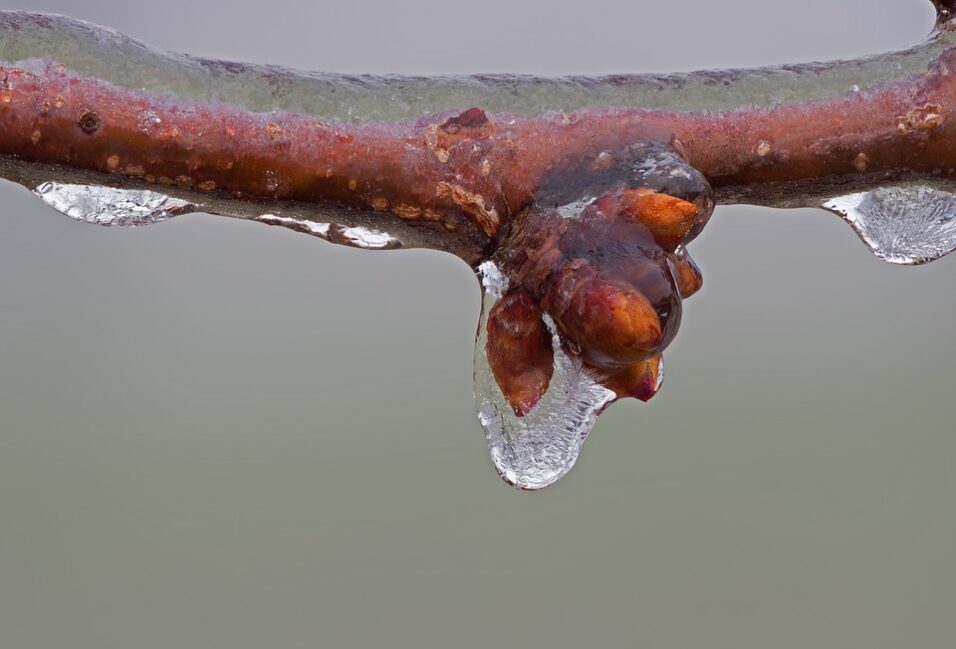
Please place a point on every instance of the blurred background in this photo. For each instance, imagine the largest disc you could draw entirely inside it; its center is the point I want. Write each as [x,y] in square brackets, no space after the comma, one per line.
[219,434]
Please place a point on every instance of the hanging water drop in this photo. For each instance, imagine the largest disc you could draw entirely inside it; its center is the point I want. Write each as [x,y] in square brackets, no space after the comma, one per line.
[110,205]
[535,450]
[902,225]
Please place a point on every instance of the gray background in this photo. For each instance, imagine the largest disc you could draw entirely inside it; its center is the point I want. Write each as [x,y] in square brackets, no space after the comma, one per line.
[217,434]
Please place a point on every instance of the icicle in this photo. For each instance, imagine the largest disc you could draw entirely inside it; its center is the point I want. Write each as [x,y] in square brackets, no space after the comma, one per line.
[537,449]
[902,225]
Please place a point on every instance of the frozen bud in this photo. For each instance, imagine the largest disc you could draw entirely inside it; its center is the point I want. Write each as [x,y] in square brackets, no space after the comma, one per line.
[519,350]
[668,218]
[611,322]
[666,171]
[648,166]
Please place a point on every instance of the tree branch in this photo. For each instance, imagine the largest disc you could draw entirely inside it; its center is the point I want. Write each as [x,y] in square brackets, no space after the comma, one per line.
[574,197]
[82,96]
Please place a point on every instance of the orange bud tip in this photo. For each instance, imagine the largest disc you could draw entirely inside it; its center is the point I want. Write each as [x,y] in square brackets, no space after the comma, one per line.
[645,390]
[668,218]
[639,381]
[688,276]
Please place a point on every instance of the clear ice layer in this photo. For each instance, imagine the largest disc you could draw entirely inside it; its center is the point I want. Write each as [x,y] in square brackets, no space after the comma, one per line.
[367,238]
[137,207]
[314,228]
[347,98]
[109,205]
[536,450]
[902,225]
[355,236]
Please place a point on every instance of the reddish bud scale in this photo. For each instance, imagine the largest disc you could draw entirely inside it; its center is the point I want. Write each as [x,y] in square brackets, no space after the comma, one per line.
[611,322]
[519,350]
[668,218]
[688,276]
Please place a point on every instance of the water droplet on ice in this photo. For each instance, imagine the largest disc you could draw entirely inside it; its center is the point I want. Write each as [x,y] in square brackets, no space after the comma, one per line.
[109,205]
[536,450]
[903,225]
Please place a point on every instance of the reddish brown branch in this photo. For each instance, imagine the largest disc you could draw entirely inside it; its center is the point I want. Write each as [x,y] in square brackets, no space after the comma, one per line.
[468,166]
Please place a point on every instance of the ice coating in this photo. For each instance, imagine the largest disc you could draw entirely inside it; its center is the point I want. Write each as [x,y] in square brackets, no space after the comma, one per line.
[902,225]
[538,449]
[109,205]
[112,206]
[371,98]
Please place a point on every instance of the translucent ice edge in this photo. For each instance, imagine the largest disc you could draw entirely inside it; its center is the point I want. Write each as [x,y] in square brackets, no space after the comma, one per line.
[538,449]
[903,225]
[111,206]
[354,236]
